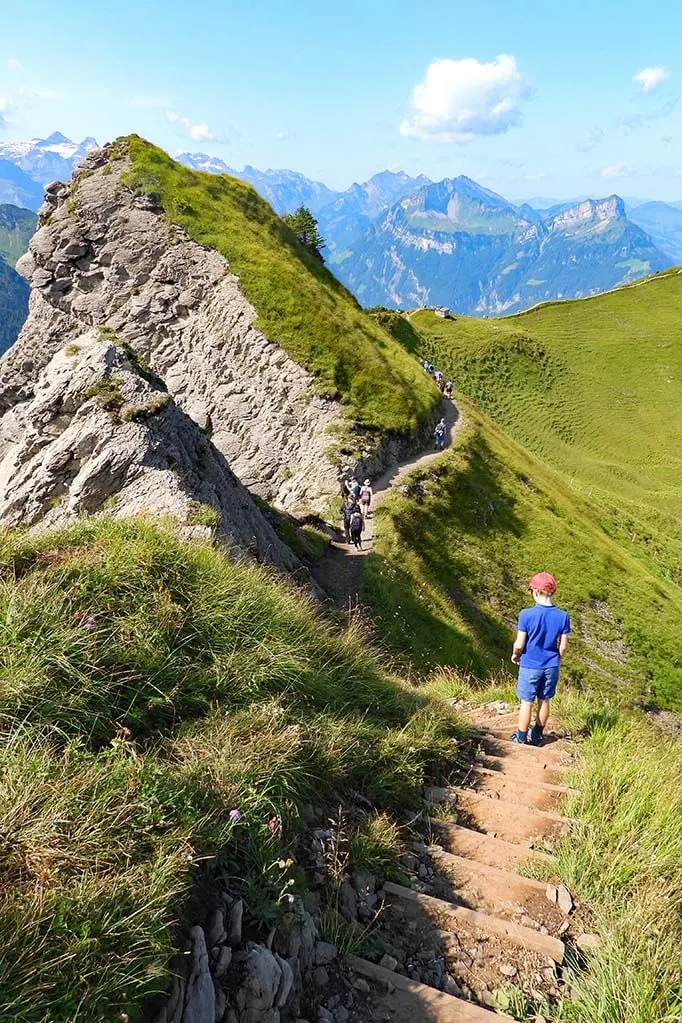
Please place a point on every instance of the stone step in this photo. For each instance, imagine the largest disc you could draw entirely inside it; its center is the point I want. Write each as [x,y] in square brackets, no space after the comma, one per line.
[448,914]
[407,1001]
[498,892]
[520,767]
[482,848]
[507,820]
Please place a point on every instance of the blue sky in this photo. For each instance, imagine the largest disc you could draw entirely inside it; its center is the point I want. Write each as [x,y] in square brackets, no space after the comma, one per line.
[529,98]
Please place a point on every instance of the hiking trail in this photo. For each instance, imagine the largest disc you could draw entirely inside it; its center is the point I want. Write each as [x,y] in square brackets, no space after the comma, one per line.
[470,925]
[341,571]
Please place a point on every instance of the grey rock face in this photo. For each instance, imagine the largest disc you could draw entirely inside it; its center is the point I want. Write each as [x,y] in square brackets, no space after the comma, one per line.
[104,255]
[94,432]
[199,994]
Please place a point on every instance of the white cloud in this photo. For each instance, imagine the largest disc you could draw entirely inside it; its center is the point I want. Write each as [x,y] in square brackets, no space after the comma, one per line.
[649,78]
[197,131]
[15,65]
[460,99]
[618,170]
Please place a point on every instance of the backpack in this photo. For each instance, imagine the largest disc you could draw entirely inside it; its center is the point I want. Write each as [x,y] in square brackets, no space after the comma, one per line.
[355,489]
[356,521]
[365,493]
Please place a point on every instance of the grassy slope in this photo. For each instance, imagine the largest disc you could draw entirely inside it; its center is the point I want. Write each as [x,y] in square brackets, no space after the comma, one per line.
[300,305]
[147,688]
[447,576]
[590,386]
[624,863]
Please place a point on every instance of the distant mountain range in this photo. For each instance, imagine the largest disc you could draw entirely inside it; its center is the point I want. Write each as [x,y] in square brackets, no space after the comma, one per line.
[404,241]
[401,241]
[26,167]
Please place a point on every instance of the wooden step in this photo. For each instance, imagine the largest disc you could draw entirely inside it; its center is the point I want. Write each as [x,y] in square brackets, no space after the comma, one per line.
[484,849]
[551,753]
[496,891]
[484,923]
[508,820]
[520,767]
[407,1001]
[546,786]
[538,795]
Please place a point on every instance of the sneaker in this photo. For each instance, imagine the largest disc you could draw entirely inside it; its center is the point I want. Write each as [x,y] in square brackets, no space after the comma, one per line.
[515,737]
[534,739]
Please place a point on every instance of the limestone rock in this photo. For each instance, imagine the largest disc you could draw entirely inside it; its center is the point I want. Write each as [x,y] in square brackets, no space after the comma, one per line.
[325,953]
[588,942]
[100,433]
[564,899]
[260,986]
[103,255]
[199,1004]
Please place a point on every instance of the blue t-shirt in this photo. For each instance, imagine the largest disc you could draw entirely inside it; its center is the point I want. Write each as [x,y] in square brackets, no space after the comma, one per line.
[543,625]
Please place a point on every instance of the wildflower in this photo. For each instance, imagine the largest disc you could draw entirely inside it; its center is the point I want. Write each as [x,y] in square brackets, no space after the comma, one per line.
[455,742]
[89,623]
[273,825]
[235,815]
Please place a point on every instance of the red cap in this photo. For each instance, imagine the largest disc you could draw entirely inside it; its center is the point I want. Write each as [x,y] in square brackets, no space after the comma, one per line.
[543,581]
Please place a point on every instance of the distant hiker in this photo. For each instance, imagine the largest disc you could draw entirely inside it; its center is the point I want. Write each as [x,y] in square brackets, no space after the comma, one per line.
[353,488]
[540,644]
[350,505]
[439,435]
[365,498]
[439,379]
[357,524]
[448,389]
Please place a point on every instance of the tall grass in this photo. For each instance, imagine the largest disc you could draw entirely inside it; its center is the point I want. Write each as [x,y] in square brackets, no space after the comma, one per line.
[624,863]
[165,713]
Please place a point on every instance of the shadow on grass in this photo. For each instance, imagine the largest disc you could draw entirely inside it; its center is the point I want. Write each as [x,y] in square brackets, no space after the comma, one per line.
[443,503]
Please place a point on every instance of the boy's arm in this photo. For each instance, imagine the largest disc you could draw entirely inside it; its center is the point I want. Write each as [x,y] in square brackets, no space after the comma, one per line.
[563,644]
[519,647]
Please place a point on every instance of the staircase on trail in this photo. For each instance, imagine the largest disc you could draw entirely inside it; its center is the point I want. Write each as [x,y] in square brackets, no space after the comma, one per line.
[490,925]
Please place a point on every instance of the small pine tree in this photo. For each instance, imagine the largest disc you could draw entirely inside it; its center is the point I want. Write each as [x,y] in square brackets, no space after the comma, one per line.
[304,226]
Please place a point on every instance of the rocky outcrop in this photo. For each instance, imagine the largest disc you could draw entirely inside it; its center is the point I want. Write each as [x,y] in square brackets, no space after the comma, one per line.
[106,256]
[96,430]
[222,978]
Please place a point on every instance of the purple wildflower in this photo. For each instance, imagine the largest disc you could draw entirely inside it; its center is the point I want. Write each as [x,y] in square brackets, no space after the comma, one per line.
[89,623]
[235,815]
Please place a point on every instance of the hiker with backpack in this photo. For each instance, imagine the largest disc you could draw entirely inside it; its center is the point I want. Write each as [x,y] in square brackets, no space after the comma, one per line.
[439,435]
[353,489]
[365,498]
[541,642]
[356,526]
[448,390]
[349,506]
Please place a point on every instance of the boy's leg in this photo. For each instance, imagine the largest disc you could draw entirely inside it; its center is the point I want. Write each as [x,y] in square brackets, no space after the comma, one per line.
[525,711]
[543,713]
[526,691]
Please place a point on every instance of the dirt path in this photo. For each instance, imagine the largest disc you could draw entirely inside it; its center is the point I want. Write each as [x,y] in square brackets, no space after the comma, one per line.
[341,571]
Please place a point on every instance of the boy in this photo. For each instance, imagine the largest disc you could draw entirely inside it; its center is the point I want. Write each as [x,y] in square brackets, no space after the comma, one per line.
[540,644]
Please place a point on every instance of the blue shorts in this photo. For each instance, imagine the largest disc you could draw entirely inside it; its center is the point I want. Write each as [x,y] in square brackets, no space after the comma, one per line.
[537,683]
